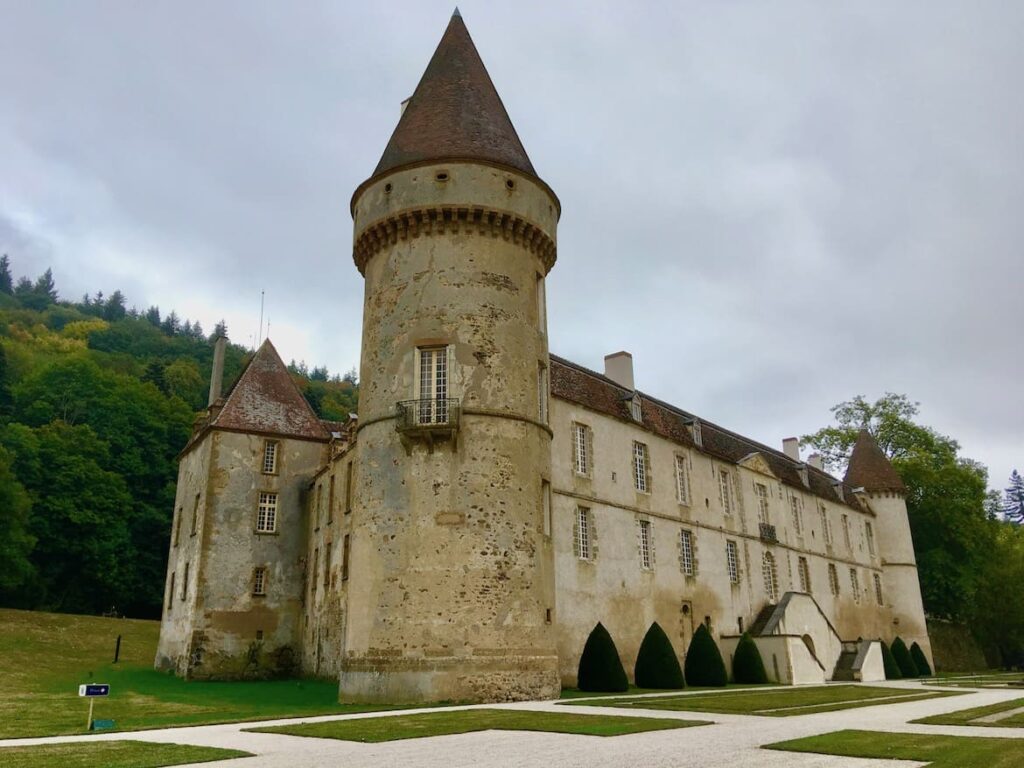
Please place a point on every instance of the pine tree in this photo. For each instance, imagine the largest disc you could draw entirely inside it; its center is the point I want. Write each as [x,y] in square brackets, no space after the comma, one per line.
[1013,498]
[153,315]
[220,329]
[6,280]
[114,307]
[656,663]
[45,286]
[600,669]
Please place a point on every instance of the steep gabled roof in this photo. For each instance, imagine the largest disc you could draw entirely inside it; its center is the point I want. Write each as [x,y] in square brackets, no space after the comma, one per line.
[869,467]
[265,399]
[455,112]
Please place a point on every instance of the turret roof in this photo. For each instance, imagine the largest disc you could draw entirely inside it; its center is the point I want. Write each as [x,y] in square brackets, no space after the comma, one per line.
[266,399]
[455,112]
[869,467]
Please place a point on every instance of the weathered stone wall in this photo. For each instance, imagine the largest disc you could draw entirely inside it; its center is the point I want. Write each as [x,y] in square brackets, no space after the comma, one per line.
[451,570]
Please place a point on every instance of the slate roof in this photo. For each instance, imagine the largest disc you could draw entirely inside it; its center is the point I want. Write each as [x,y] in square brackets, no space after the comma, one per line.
[597,392]
[455,112]
[265,399]
[869,467]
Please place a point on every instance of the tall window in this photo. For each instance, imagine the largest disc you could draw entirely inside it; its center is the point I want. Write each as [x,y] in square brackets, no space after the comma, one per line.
[433,385]
[314,574]
[319,505]
[682,481]
[184,583]
[805,574]
[327,565]
[641,467]
[878,590]
[348,487]
[732,561]
[645,543]
[581,448]
[195,515]
[270,457]
[771,577]
[855,584]
[542,393]
[266,513]
[582,533]
[762,503]
[545,502]
[170,593]
[686,552]
[833,579]
[846,532]
[259,581]
[725,491]
[542,311]
[826,526]
[346,554]
[869,534]
[177,525]
[330,500]
[798,518]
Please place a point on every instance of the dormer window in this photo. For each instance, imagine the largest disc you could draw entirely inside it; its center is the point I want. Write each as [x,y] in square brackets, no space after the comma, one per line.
[635,409]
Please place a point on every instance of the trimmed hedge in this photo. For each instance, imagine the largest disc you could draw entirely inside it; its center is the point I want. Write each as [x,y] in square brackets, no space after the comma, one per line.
[600,669]
[747,666]
[924,669]
[903,658]
[656,664]
[704,665]
[892,669]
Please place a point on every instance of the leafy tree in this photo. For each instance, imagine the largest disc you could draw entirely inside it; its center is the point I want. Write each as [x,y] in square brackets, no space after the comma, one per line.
[892,669]
[924,669]
[704,665]
[657,665]
[1013,498]
[998,621]
[6,281]
[747,665]
[903,658]
[6,398]
[600,669]
[16,542]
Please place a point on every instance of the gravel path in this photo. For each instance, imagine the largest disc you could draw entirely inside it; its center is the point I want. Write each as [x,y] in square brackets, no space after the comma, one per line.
[732,742]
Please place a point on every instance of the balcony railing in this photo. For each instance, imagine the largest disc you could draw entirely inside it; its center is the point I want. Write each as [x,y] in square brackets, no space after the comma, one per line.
[768,533]
[428,419]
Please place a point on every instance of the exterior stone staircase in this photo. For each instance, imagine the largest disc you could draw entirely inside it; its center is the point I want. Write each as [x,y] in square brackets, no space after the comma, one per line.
[845,665]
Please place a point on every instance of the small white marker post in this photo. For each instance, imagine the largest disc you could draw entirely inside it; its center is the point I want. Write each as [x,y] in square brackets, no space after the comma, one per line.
[92,691]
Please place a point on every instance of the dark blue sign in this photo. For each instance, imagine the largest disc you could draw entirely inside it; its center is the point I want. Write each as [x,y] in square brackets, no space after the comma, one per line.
[101,725]
[94,689]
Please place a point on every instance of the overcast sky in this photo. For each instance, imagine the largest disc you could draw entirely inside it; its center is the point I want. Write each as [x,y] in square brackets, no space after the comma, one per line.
[773,206]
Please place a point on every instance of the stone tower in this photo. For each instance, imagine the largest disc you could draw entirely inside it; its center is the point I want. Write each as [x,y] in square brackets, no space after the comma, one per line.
[452,589]
[885,492]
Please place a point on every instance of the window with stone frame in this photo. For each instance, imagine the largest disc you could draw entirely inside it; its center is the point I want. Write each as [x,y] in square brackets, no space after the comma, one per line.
[582,450]
[641,467]
[878,590]
[725,491]
[266,512]
[687,564]
[432,385]
[583,534]
[846,532]
[636,409]
[682,480]
[270,457]
[826,525]
[797,514]
[259,581]
[761,491]
[804,572]
[732,561]
[833,579]
[771,577]
[869,536]
[855,584]
[646,545]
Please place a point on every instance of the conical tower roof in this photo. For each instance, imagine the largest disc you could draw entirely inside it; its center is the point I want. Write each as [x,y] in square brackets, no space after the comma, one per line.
[455,112]
[265,399]
[869,467]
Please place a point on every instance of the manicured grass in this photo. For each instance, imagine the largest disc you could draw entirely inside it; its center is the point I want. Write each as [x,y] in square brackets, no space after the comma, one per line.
[576,693]
[376,729]
[776,702]
[993,680]
[966,716]
[937,751]
[111,754]
[45,656]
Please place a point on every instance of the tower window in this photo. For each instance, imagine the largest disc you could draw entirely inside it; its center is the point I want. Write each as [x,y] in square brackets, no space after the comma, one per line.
[542,393]
[869,534]
[184,583]
[327,565]
[270,457]
[170,593]
[346,554]
[259,581]
[266,513]
[846,532]
[432,385]
[545,501]
[195,515]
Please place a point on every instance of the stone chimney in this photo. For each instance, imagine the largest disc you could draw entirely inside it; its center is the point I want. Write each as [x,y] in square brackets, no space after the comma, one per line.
[815,461]
[791,447]
[618,367]
[217,375]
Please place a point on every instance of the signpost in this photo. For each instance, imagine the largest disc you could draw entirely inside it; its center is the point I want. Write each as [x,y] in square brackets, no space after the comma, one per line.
[92,691]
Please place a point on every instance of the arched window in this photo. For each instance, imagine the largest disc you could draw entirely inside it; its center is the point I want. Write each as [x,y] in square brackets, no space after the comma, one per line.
[771,577]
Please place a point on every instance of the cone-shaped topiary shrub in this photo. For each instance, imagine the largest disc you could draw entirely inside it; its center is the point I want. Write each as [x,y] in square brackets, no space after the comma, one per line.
[903,659]
[704,665]
[600,669]
[924,669]
[892,669]
[747,666]
[656,663]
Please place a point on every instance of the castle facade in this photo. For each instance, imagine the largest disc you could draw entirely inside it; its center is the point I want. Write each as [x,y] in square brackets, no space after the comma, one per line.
[491,503]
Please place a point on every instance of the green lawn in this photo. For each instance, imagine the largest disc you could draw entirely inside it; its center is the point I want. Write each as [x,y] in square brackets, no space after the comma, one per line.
[937,751]
[45,656]
[776,702]
[966,716]
[111,754]
[375,729]
[576,693]
[987,680]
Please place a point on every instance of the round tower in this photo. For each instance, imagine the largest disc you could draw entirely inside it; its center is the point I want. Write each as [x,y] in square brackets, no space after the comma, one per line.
[451,586]
[871,471]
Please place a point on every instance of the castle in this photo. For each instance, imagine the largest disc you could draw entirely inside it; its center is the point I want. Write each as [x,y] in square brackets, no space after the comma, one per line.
[491,503]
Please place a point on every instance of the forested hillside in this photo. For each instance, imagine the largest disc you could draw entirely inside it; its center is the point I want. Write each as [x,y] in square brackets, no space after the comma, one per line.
[96,400]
